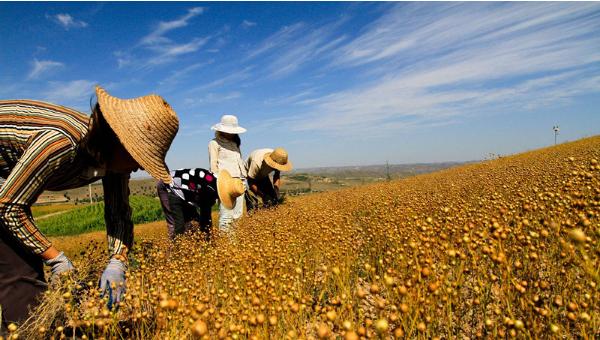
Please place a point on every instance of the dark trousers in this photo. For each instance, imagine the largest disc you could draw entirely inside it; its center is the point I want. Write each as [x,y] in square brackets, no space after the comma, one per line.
[182,216]
[21,280]
[268,197]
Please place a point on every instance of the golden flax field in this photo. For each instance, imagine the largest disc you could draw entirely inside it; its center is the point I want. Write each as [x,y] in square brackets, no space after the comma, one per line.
[504,248]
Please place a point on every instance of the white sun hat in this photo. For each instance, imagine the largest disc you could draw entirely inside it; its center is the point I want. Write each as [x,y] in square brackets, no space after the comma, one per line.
[228,124]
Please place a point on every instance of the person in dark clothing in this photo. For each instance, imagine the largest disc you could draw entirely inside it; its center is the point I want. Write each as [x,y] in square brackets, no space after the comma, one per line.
[193,189]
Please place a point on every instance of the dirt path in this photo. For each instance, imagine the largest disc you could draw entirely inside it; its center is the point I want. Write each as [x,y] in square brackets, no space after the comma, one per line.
[52,214]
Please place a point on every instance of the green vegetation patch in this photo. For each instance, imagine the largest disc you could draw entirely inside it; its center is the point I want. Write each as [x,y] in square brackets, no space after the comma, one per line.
[41,210]
[299,177]
[91,217]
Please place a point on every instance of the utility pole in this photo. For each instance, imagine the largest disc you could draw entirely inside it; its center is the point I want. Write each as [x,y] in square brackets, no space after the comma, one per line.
[556,130]
[387,170]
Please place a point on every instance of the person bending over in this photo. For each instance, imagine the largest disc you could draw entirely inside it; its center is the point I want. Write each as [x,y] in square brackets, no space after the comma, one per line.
[260,164]
[50,147]
[193,189]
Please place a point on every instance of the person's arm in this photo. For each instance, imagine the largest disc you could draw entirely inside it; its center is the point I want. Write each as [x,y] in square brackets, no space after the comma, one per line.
[117,213]
[23,186]
[276,182]
[253,186]
[119,230]
[251,167]
[213,156]
[276,179]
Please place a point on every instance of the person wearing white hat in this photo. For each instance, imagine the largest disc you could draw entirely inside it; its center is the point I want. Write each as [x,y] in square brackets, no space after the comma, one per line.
[44,146]
[260,164]
[224,154]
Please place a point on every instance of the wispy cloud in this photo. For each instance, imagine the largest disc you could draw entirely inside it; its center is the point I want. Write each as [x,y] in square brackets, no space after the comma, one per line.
[297,45]
[185,72]
[67,21]
[296,98]
[232,78]
[437,63]
[75,93]
[248,24]
[276,40]
[211,98]
[41,67]
[156,48]
[157,36]
[168,53]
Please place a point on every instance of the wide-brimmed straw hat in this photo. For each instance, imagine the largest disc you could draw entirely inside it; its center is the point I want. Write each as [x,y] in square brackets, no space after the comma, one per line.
[278,160]
[229,188]
[145,126]
[228,124]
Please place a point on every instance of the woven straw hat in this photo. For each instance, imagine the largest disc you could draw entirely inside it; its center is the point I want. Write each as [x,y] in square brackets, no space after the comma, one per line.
[229,188]
[278,160]
[145,126]
[228,124]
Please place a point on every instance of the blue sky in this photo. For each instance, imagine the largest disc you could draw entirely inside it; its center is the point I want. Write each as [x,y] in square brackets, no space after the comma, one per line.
[334,83]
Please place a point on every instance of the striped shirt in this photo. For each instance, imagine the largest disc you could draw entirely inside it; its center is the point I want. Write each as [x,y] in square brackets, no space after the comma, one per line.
[39,150]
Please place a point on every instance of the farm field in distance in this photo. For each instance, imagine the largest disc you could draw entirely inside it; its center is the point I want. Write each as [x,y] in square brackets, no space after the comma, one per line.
[297,182]
[70,213]
[502,248]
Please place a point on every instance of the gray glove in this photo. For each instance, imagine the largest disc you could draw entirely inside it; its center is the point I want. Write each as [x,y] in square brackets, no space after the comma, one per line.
[60,264]
[112,282]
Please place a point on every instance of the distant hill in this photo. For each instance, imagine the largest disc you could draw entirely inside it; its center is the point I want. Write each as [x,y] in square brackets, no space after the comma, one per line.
[297,181]
[379,170]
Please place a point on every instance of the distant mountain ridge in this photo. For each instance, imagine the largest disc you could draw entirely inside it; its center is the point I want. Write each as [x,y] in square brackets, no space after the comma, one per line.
[378,170]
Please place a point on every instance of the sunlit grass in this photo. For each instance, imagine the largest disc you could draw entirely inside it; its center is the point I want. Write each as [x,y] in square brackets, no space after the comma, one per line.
[505,248]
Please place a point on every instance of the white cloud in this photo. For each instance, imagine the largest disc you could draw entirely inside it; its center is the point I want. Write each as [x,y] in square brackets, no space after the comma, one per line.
[248,24]
[156,48]
[277,40]
[290,99]
[212,98]
[67,21]
[232,78]
[176,76]
[170,52]
[431,64]
[297,45]
[75,93]
[41,67]
[123,58]
[163,27]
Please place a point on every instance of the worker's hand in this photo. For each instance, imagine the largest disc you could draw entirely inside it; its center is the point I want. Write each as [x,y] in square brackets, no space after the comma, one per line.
[112,282]
[60,264]
[276,187]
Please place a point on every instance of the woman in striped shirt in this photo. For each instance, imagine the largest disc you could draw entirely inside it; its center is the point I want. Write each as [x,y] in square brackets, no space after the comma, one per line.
[49,147]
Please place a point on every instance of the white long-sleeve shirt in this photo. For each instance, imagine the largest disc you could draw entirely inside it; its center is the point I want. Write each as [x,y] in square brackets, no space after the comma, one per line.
[224,154]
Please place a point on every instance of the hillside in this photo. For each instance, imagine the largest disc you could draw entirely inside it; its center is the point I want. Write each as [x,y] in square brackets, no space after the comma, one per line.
[507,247]
[299,181]
[379,170]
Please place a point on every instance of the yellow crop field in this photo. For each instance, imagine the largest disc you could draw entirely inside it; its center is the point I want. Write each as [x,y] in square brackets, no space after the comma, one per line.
[503,248]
